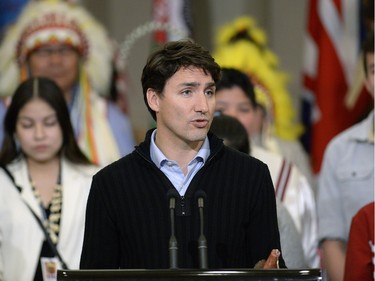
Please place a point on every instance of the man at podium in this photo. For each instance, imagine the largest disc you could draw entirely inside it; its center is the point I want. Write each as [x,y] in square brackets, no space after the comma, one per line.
[181,199]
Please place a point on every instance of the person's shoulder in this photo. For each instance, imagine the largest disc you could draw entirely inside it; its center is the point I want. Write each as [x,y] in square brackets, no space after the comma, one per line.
[121,165]
[241,157]
[366,211]
[341,141]
[265,155]
[88,170]
[279,165]
[344,136]
[16,164]
[85,170]
[359,130]
[363,222]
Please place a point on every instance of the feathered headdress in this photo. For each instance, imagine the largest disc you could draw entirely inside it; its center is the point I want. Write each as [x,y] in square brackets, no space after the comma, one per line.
[52,21]
[243,45]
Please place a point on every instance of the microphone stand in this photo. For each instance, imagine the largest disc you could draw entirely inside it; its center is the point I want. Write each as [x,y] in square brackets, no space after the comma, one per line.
[202,242]
[173,249]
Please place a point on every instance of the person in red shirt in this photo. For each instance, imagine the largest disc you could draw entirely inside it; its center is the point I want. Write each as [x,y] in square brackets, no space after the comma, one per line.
[360,259]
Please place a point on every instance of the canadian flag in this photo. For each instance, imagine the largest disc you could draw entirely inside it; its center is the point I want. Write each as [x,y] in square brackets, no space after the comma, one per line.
[334,96]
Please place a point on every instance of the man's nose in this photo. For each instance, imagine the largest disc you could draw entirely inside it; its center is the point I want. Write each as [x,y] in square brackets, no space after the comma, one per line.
[55,55]
[202,103]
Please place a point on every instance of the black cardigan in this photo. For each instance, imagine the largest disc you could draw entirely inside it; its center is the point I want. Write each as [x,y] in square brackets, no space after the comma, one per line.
[128,219]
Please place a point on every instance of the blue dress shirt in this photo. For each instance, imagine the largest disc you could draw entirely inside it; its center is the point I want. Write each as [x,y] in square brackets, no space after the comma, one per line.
[171,168]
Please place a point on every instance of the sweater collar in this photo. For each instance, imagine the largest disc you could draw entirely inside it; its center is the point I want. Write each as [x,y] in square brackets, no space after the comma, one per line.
[216,145]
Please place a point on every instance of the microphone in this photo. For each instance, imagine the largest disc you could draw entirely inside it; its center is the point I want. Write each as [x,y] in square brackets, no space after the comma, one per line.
[172,194]
[202,242]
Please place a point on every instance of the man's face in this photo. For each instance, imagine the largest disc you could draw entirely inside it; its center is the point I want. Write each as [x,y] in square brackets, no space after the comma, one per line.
[57,62]
[370,73]
[234,102]
[184,110]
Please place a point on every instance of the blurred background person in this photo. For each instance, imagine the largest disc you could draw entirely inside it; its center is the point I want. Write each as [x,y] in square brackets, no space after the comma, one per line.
[360,251]
[63,42]
[242,44]
[235,97]
[44,174]
[346,181]
[231,131]
[234,135]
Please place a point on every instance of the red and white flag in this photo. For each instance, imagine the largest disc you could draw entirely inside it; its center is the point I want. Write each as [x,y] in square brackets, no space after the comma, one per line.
[331,64]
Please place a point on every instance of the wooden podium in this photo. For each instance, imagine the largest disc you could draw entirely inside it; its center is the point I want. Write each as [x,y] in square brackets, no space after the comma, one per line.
[193,274]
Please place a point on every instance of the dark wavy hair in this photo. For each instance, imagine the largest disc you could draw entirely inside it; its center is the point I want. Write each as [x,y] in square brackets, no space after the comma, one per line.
[232,131]
[232,77]
[48,91]
[162,64]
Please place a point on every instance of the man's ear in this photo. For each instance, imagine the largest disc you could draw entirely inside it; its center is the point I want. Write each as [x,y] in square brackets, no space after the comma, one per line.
[153,99]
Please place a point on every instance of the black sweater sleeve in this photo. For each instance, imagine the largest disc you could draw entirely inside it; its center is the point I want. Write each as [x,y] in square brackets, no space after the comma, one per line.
[101,240]
[263,230]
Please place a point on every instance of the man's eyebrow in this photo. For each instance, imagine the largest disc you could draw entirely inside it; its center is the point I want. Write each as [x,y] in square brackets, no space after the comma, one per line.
[190,84]
[196,84]
[211,84]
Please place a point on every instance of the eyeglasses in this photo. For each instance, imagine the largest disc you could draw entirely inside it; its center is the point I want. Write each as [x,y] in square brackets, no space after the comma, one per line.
[48,51]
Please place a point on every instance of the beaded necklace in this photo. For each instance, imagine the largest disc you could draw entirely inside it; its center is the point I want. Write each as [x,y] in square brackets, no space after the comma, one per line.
[52,221]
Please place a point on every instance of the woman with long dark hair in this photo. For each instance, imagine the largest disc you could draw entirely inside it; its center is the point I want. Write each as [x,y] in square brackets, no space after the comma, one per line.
[45,181]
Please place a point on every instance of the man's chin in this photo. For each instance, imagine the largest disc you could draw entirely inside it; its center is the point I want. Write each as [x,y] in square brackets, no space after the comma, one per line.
[199,135]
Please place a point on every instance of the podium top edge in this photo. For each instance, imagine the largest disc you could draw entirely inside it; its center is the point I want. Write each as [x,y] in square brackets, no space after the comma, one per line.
[159,273]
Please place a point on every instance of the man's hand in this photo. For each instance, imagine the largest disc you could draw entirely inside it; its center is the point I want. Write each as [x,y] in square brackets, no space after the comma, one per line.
[271,262]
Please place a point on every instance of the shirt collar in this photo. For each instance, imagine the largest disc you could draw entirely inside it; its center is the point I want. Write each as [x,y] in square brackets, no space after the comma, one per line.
[158,157]
[366,134]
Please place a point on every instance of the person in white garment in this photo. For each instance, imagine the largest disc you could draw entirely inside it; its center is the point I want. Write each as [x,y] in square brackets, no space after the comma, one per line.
[235,97]
[234,135]
[45,178]
[65,43]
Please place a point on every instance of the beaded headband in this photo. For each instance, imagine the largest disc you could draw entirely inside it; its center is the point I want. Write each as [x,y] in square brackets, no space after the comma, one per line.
[52,28]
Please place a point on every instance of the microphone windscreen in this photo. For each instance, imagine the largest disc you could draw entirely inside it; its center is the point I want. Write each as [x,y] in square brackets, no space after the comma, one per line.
[172,193]
[200,194]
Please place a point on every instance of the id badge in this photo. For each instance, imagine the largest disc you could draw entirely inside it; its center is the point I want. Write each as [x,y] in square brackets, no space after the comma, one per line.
[49,268]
